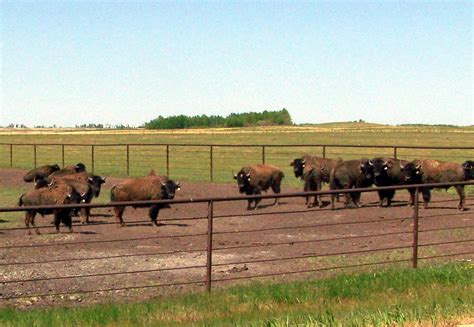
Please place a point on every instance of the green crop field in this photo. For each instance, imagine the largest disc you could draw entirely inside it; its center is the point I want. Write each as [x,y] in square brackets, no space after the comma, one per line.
[193,163]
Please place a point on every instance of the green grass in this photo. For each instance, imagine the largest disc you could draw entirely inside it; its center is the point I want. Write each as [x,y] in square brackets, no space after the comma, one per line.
[193,163]
[393,297]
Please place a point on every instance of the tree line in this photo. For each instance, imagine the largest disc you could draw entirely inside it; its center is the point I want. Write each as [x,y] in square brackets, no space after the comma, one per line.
[265,118]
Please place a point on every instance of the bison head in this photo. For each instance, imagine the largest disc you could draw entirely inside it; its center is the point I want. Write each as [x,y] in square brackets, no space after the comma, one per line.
[412,172]
[168,189]
[243,180]
[96,183]
[367,169]
[381,168]
[80,167]
[468,167]
[298,166]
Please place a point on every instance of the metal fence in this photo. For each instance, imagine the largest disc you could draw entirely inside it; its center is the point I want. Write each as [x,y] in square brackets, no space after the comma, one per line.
[25,270]
[213,162]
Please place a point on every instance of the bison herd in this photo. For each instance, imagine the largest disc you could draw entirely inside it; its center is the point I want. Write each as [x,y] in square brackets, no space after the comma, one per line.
[74,185]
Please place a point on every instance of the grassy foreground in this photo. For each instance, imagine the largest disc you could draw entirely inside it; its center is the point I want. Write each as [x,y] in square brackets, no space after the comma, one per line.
[427,296]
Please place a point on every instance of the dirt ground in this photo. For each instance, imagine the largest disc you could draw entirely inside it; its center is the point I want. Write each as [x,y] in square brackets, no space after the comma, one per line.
[134,259]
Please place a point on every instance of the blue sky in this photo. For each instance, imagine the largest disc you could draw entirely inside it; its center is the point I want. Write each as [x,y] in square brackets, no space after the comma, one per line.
[68,63]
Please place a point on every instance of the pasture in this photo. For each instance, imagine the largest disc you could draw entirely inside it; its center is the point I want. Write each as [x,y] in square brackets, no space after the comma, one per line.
[99,261]
[193,162]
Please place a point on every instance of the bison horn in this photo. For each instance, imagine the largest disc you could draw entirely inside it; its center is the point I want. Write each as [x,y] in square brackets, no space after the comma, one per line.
[248,175]
[178,185]
[303,162]
[371,163]
[103,179]
[402,166]
[418,166]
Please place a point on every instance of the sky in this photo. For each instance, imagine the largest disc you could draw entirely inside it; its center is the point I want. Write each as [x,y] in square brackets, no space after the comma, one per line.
[68,63]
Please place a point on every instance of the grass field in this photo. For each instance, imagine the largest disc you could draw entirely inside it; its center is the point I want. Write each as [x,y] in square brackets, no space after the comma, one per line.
[193,163]
[431,296]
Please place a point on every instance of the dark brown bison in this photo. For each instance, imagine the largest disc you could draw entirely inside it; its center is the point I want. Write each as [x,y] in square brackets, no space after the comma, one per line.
[254,179]
[388,172]
[88,185]
[150,187]
[313,171]
[78,168]
[432,171]
[40,172]
[53,195]
[351,174]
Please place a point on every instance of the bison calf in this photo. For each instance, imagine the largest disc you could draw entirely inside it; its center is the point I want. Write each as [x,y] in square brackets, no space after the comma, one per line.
[254,179]
[150,187]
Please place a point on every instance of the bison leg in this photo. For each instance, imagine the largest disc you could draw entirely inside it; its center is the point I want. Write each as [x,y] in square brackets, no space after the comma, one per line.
[85,215]
[462,197]
[390,195]
[381,198]
[412,197]
[118,214]
[153,214]
[356,199]
[257,201]
[305,189]
[30,220]
[67,220]
[276,189]
[57,221]
[333,197]
[426,197]
[318,201]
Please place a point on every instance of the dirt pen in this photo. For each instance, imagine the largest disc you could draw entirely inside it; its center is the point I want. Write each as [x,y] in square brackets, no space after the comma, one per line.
[206,242]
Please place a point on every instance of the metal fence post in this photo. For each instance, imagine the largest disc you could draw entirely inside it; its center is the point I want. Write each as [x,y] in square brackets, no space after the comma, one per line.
[92,157]
[263,154]
[324,151]
[62,154]
[210,214]
[34,155]
[128,160]
[211,162]
[395,152]
[415,230]
[11,155]
[168,160]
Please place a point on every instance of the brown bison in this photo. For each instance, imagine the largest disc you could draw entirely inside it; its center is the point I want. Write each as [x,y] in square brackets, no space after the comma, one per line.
[54,195]
[150,187]
[313,171]
[78,168]
[40,172]
[433,171]
[351,174]
[254,179]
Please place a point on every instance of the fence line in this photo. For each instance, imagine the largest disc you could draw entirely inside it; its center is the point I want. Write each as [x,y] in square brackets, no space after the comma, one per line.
[209,155]
[209,265]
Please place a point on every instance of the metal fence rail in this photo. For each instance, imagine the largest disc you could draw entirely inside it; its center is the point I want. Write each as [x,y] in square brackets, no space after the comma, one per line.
[208,264]
[210,160]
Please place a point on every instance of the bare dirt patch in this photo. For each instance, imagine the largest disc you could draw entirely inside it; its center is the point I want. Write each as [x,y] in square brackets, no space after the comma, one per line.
[123,264]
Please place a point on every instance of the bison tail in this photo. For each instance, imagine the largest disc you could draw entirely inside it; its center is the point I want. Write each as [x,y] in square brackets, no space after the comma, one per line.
[20,200]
